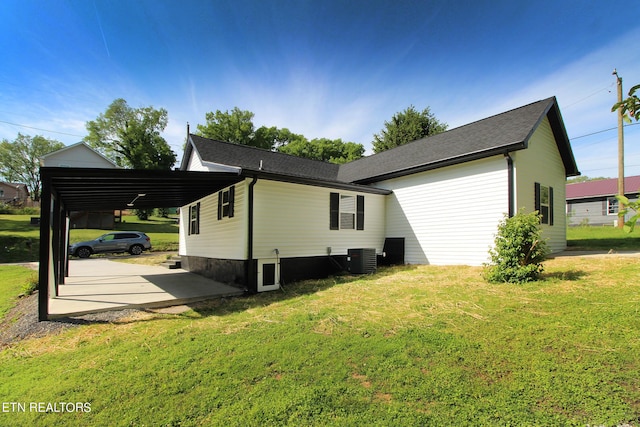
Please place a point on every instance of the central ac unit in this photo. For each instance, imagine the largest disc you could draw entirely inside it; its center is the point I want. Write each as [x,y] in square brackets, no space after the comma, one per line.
[362,261]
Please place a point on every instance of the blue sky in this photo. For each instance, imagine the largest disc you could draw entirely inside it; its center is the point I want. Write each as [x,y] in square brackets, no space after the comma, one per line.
[335,69]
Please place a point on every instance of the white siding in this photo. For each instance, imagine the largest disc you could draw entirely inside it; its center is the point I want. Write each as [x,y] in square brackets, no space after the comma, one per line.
[294,219]
[541,162]
[77,156]
[448,215]
[196,164]
[222,239]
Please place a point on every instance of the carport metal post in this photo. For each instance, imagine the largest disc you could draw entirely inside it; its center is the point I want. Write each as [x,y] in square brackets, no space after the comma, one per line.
[45,256]
[60,240]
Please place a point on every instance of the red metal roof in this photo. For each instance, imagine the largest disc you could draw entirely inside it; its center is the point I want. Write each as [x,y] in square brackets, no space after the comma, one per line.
[602,188]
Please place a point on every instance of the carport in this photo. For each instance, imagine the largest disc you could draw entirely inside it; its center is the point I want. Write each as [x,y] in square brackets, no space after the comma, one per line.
[101,284]
[76,189]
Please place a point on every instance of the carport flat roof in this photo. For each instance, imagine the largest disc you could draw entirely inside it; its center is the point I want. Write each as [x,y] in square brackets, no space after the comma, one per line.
[97,285]
[81,189]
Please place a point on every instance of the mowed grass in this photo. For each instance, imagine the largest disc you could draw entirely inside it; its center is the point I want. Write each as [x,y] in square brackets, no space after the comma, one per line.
[19,240]
[14,279]
[602,238]
[410,346]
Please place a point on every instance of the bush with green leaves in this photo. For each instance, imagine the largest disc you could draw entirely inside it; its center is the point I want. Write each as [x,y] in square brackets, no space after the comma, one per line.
[519,250]
[629,206]
[143,214]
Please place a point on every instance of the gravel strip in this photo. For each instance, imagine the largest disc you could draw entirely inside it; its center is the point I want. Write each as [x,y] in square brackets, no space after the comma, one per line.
[21,321]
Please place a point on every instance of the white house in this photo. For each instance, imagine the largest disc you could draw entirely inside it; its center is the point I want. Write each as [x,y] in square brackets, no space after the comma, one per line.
[80,155]
[437,200]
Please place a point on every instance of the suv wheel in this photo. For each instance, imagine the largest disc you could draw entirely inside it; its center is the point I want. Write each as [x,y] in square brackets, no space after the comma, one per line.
[136,250]
[83,252]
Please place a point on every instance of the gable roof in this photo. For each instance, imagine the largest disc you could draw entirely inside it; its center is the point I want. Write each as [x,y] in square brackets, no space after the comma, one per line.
[498,134]
[602,188]
[261,160]
[74,147]
[253,161]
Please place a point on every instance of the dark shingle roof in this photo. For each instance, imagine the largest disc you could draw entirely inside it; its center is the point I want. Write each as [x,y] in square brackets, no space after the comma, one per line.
[497,134]
[251,158]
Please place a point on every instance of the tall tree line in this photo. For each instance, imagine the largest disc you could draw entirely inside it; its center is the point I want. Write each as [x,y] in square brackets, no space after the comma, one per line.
[131,137]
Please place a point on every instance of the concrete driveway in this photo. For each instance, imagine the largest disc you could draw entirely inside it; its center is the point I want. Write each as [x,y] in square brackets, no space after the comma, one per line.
[99,284]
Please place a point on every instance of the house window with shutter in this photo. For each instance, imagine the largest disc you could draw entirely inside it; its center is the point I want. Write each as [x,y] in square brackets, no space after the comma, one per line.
[225,203]
[544,203]
[612,206]
[194,219]
[346,212]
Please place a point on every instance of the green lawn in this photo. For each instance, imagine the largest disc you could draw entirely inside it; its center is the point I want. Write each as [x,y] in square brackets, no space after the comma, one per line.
[14,280]
[19,241]
[602,238]
[408,346]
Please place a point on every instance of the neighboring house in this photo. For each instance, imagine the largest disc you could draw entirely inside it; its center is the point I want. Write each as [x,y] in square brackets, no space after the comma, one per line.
[595,203]
[80,155]
[437,200]
[12,193]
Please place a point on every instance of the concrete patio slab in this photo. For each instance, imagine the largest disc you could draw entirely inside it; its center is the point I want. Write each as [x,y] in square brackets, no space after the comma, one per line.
[99,284]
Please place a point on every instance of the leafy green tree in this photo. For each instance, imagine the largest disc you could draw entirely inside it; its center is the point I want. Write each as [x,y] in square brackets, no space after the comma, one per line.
[131,136]
[234,126]
[273,138]
[629,206]
[630,106]
[20,160]
[519,250]
[324,149]
[406,126]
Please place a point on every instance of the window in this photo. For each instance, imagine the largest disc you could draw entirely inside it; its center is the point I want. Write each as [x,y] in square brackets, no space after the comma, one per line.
[544,203]
[226,202]
[612,206]
[346,212]
[194,219]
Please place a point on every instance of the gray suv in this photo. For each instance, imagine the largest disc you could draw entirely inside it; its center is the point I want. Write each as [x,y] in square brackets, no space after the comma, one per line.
[134,242]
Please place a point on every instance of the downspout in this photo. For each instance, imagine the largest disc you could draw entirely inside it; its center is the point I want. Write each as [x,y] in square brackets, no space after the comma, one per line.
[252,278]
[510,184]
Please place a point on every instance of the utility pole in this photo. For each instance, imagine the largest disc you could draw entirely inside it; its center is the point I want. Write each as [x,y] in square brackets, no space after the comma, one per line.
[620,147]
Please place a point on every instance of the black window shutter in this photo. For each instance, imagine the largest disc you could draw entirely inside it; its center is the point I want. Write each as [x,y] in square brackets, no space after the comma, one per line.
[189,221]
[550,205]
[219,205]
[360,213]
[198,218]
[536,205]
[232,194]
[334,211]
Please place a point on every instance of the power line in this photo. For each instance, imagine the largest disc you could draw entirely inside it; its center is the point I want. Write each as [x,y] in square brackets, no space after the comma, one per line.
[42,130]
[589,96]
[601,131]
[68,134]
